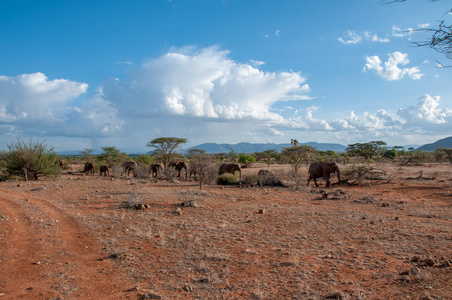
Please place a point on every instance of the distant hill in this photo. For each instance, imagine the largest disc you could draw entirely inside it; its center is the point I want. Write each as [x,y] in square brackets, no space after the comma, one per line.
[251,148]
[443,143]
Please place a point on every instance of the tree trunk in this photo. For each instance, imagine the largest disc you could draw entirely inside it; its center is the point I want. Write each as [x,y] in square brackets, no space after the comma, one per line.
[25,173]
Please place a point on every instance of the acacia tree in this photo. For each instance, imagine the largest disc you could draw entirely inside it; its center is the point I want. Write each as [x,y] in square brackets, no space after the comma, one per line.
[297,154]
[166,147]
[200,163]
[32,158]
[112,156]
[366,150]
[448,152]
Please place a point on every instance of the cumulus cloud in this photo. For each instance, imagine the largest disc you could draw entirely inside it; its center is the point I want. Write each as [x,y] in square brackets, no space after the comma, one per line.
[204,83]
[34,96]
[32,104]
[426,113]
[390,70]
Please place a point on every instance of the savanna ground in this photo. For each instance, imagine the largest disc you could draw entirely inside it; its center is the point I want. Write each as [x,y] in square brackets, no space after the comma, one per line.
[82,237]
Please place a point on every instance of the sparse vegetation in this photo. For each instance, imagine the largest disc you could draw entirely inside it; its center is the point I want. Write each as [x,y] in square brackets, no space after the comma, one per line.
[31,160]
[227,179]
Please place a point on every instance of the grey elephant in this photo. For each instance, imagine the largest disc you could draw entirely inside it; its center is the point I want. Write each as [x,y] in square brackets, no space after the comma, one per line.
[129,167]
[317,170]
[230,168]
[154,169]
[89,168]
[179,165]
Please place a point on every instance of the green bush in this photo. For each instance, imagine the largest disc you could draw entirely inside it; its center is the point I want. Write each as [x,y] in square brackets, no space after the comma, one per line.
[227,179]
[31,160]
[251,180]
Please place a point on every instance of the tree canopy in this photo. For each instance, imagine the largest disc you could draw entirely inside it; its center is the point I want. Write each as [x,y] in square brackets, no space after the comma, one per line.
[366,150]
[166,147]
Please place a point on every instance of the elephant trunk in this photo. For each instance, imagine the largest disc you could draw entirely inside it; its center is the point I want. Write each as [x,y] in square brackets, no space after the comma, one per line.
[338,175]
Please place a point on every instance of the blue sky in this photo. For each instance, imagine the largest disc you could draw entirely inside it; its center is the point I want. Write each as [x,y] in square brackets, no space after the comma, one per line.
[88,74]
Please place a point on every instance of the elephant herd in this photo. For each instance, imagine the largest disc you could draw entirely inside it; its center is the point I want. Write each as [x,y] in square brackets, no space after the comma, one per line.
[316,170]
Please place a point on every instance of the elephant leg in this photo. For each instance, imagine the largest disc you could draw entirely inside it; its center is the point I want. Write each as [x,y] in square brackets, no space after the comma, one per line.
[327,178]
[315,181]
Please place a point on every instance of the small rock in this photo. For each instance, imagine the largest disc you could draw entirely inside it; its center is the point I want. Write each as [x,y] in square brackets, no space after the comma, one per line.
[405,278]
[150,296]
[385,204]
[187,288]
[335,295]
[262,211]
[178,211]
[204,280]
[20,185]
[39,189]
[415,271]
[415,258]
[429,262]
[396,218]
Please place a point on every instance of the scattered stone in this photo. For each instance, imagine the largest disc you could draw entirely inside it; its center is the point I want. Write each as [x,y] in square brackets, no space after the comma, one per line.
[187,288]
[39,189]
[121,256]
[335,295]
[385,204]
[178,211]
[204,280]
[262,211]
[150,296]
[429,262]
[415,258]
[404,278]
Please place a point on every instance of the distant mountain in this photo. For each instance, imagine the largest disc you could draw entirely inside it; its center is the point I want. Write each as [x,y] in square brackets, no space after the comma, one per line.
[251,148]
[443,143]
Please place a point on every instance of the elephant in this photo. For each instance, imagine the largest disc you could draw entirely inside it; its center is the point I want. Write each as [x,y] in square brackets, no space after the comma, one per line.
[230,168]
[154,169]
[317,170]
[89,168]
[129,166]
[179,165]
[104,170]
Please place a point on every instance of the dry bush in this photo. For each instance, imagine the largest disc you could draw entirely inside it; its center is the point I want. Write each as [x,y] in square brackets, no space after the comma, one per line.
[141,171]
[191,198]
[211,174]
[116,171]
[170,173]
[251,179]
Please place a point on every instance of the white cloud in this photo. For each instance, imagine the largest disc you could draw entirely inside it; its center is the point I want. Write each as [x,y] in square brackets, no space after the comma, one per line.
[257,63]
[204,83]
[375,38]
[402,33]
[277,32]
[425,113]
[390,70]
[351,38]
[33,96]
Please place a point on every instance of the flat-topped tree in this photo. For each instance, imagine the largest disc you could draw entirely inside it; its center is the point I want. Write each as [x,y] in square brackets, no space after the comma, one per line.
[166,147]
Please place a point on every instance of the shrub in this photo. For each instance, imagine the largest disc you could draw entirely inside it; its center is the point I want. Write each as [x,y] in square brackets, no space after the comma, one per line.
[227,179]
[32,158]
[251,179]
[246,159]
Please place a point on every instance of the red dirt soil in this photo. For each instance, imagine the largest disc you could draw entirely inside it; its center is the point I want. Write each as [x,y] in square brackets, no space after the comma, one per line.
[93,237]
